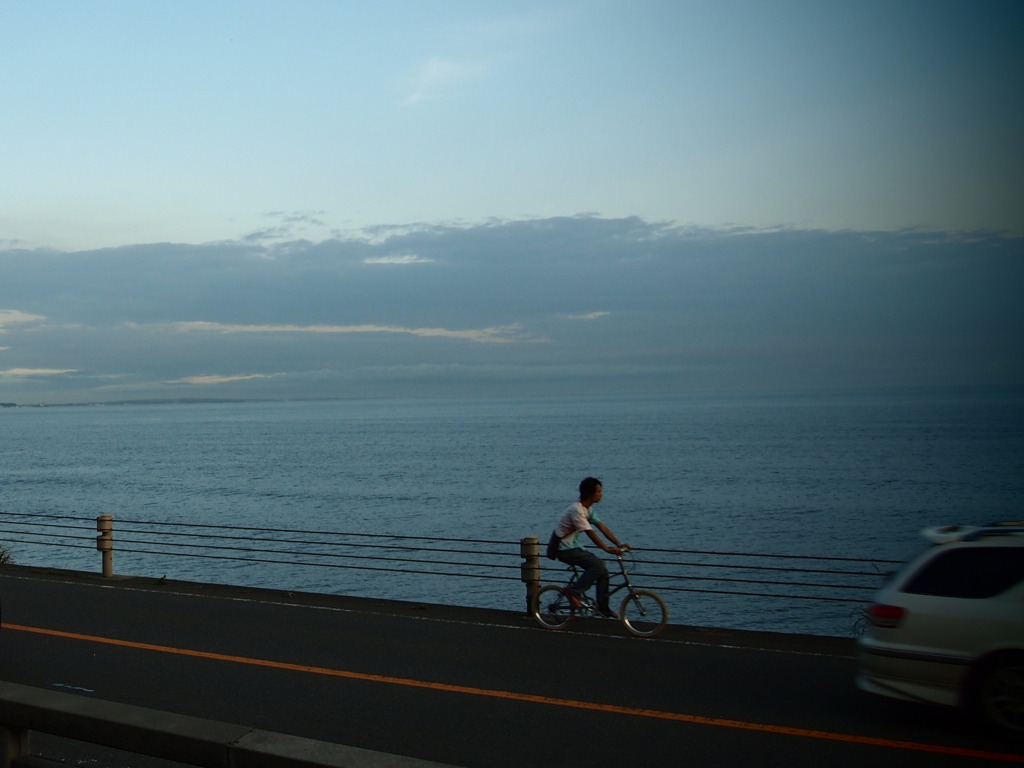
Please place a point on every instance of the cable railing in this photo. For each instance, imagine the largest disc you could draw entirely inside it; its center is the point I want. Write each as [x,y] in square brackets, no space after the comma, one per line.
[814,577]
[738,574]
[296,548]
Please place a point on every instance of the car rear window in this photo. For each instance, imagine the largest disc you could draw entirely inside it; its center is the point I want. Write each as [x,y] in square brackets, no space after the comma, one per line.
[976,572]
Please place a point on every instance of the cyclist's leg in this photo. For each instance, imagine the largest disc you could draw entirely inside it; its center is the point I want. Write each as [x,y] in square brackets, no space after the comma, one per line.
[602,591]
[594,570]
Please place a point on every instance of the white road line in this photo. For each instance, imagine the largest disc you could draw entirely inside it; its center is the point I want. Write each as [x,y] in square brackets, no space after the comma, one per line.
[438,620]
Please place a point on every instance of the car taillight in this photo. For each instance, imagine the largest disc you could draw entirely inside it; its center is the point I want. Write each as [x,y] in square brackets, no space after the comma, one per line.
[886,616]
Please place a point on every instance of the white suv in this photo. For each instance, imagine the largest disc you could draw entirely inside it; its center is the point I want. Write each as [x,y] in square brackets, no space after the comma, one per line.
[948,628]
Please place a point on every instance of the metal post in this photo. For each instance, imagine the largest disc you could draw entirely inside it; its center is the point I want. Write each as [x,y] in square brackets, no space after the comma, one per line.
[105,543]
[529,550]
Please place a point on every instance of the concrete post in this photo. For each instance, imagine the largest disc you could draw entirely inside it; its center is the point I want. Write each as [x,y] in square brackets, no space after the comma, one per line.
[13,744]
[529,550]
[105,543]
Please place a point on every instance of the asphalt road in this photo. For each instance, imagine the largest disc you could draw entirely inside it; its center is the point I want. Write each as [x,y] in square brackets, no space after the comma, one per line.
[467,687]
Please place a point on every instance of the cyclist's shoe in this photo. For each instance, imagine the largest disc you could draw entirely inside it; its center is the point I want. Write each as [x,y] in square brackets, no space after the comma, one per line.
[608,613]
[574,599]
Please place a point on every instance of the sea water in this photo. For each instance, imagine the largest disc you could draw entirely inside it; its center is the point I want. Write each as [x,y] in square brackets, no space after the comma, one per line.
[839,474]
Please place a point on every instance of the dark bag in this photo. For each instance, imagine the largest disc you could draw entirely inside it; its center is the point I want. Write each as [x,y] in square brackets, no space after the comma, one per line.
[552,552]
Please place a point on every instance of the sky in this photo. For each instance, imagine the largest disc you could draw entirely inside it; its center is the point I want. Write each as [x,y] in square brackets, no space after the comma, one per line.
[343,199]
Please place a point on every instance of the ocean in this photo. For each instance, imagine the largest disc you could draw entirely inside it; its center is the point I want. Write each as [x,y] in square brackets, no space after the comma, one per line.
[853,475]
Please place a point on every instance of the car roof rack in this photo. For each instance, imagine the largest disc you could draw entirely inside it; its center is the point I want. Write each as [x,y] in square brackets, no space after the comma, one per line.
[945,534]
[995,529]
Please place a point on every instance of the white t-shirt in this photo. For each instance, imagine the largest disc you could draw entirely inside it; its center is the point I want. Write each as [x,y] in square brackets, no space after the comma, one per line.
[574,521]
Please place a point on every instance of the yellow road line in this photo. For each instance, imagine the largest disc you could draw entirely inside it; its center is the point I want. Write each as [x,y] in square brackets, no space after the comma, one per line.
[533,698]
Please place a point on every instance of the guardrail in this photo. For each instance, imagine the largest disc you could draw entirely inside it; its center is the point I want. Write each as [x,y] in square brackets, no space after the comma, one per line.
[165,735]
[737,574]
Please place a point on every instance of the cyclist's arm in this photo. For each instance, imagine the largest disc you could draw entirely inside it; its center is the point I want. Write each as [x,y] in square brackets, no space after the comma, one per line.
[615,550]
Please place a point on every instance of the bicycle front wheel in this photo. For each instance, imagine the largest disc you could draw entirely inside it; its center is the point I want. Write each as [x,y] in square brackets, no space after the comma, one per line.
[551,608]
[644,613]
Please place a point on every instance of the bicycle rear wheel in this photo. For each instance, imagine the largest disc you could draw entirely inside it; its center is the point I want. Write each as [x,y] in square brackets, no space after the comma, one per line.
[644,613]
[551,608]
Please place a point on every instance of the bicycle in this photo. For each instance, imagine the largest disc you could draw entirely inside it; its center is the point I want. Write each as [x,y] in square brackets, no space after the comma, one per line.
[642,612]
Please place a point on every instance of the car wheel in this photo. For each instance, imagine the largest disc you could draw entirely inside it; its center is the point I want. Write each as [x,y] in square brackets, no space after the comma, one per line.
[996,695]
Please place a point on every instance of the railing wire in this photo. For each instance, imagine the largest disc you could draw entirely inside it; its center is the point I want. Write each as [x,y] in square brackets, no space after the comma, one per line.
[792,577]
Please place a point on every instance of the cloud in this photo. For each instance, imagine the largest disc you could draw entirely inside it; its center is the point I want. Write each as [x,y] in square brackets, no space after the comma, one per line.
[208,380]
[568,304]
[10,317]
[507,334]
[34,372]
[437,75]
[288,225]
[408,258]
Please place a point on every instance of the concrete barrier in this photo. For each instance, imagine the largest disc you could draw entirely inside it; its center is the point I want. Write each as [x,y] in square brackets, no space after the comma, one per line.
[180,738]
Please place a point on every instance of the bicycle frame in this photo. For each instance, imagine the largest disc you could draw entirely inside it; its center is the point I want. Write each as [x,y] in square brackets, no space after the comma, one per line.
[613,587]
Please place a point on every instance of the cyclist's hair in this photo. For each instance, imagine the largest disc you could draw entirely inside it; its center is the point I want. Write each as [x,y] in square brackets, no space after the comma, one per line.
[588,487]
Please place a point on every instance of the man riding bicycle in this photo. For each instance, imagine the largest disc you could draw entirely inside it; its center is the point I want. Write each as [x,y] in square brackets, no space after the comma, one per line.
[581,518]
